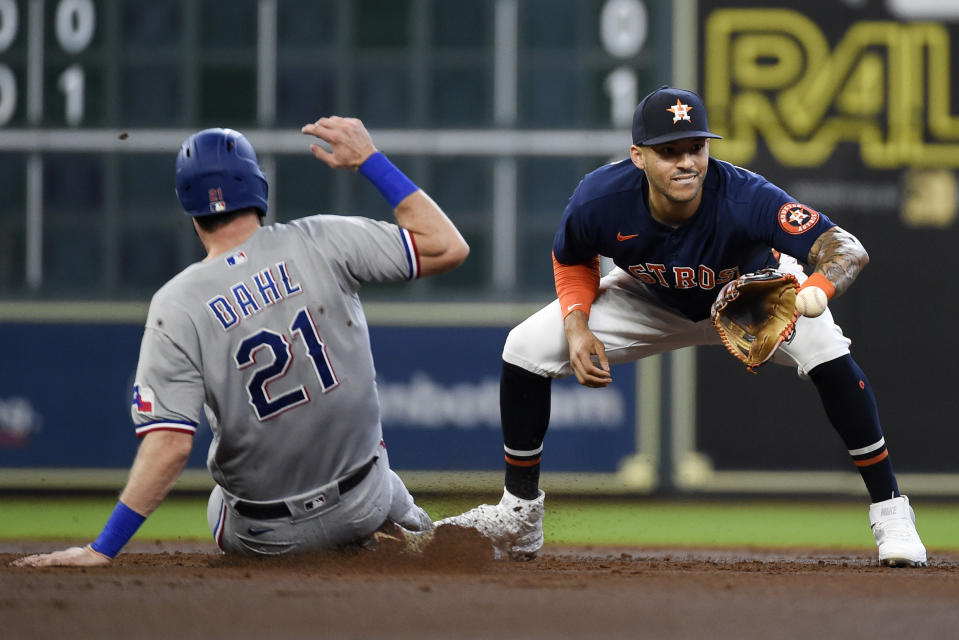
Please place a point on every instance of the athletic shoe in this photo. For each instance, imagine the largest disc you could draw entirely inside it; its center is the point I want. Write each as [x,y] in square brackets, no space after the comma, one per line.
[894,525]
[515,525]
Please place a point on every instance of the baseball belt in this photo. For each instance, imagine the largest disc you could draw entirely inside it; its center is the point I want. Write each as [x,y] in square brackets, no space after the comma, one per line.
[273,510]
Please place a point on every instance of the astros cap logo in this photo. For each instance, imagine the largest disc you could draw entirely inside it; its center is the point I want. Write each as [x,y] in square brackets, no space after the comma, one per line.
[651,127]
[680,111]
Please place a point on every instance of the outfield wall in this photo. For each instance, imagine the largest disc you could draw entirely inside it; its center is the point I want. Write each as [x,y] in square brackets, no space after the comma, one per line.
[693,421]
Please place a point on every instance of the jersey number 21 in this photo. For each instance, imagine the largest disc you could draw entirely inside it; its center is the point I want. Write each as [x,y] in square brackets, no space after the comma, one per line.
[302,325]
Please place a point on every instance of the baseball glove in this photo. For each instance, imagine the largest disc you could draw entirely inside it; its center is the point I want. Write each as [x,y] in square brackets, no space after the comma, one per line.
[756,313]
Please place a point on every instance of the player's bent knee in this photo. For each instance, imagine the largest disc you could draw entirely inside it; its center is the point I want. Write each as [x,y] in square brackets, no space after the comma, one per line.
[516,342]
[538,341]
[523,350]
[817,340]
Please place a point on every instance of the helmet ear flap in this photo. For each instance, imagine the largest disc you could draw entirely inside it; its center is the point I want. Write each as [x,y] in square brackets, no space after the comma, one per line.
[206,162]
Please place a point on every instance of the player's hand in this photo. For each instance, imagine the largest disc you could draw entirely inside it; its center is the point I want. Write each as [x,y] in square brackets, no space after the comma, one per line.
[587,354]
[72,557]
[349,141]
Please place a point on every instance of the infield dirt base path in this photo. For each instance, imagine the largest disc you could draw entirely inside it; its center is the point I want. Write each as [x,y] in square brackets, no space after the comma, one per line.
[163,590]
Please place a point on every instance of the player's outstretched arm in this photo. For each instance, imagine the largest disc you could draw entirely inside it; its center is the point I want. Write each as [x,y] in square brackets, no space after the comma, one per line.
[160,459]
[839,257]
[439,244]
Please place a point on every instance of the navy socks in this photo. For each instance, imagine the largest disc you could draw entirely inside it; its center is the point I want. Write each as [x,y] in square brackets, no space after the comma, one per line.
[524,411]
[851,407]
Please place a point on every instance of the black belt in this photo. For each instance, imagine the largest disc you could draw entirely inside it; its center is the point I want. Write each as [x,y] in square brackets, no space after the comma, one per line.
[272,510]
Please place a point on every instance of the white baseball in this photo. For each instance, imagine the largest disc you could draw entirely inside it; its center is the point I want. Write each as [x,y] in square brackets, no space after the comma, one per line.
[811,301]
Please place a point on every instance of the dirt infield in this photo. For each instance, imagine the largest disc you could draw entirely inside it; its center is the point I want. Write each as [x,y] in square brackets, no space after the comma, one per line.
[162,590]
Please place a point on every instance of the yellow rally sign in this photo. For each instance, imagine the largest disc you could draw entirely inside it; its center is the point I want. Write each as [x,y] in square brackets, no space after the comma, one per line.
[885,87]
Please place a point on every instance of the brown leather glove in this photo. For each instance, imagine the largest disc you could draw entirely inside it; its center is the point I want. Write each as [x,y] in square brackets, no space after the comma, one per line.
[756,313]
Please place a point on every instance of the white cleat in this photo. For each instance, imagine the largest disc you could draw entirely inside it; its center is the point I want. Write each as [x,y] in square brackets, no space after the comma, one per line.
[893,524]
[515,526]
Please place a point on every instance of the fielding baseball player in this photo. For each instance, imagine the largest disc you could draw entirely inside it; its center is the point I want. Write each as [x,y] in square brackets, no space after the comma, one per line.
[679,226]
[267,334]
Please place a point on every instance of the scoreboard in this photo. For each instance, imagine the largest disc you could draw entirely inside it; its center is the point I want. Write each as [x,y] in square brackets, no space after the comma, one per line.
[402,63]
[496,107]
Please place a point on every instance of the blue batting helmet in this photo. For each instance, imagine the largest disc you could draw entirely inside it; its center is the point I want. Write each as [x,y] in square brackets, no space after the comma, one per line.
[217,172]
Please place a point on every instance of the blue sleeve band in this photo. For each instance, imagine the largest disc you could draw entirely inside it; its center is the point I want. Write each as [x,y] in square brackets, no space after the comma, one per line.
[121,526]
[392,183]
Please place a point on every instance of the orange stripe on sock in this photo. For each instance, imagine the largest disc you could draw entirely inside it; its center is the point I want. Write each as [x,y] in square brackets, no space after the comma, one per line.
[522,463]
[873,460]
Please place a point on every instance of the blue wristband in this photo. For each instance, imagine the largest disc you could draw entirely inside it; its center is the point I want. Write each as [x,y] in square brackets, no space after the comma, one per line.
[392,183]
[121,526]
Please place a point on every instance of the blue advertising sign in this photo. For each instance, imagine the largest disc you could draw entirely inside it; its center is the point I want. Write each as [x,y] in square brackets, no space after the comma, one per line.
[66,389]
[65,396]
[439,393]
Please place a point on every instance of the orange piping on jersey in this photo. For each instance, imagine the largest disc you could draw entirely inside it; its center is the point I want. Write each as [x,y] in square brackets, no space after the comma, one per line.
[873,460]
[819,280]
[576,285]
[522,463]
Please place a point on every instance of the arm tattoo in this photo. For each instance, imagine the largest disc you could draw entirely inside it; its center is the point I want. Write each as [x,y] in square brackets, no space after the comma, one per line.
[839,256]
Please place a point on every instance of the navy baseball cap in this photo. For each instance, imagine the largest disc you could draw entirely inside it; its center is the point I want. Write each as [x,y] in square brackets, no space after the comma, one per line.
[669,114]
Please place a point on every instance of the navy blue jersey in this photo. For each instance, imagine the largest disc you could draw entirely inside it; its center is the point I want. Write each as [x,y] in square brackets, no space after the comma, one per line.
[741,219]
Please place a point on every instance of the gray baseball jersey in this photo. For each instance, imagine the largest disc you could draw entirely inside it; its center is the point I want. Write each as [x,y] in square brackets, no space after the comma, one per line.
[271,338]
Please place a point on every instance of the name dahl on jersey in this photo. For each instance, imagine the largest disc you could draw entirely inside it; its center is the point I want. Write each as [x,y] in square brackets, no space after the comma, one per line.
[266,287]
